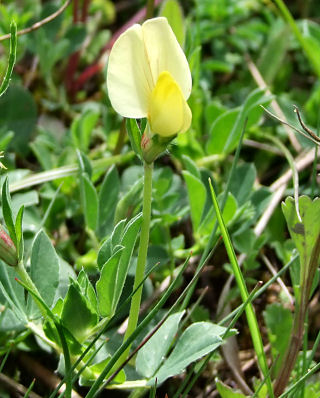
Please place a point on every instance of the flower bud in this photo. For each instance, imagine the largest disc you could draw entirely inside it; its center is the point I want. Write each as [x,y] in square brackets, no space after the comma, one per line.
[8,251]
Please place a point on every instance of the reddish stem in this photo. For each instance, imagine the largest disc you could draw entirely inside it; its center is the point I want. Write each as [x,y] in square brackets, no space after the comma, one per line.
[75,10]
[85,8]
[70,80]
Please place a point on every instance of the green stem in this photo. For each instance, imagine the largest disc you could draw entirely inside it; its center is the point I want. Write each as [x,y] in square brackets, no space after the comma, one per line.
[22,272]
[251,317]
[142,255]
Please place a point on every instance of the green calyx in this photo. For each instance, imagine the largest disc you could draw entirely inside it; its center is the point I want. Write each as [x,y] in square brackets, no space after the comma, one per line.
[153,145]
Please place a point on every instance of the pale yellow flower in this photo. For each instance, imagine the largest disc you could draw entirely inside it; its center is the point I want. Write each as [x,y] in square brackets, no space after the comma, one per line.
[149,76]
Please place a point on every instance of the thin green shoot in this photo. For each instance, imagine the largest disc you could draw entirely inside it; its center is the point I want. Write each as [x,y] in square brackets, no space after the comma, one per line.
[241,308]
[297,384]
[308,50]
[26,395]
[66,354]
[12,58]
[313,351]
[211,242]
[4,360]
[261,290]
[153,390]
[251,317]
[205,362]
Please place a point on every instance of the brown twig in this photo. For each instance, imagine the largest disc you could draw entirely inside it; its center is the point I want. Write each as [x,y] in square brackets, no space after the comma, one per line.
[15,387]
[286,124]
[305,128]
[39,24]
[42,373]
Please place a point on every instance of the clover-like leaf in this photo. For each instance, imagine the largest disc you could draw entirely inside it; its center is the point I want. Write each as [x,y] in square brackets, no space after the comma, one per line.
[304,232]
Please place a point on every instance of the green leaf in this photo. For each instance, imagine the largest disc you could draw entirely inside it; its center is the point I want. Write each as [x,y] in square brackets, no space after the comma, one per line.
[279,323]
[51,332]
[191,166]
[197,194]
[114,272]
[129,201]
[44,268]
[78,315]
[76,35]
[18,112]
[7,212]
[108,199]
[12,295]
[172,10]
[275,49]
[242,182]
[87,289]
[226,391]
[229,212]
[196,341]
[89,198]
[107,248]
[82,127]
[305,232]
[226,130]
[152,354]
[91,373]
[106,285]
[244,241]
[134,135]
[19,233]
[26,199]
[84,163]
[10,321]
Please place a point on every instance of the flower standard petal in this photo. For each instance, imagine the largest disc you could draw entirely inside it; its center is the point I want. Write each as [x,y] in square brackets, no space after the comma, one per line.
[129,79]
[169,113]
[165,54]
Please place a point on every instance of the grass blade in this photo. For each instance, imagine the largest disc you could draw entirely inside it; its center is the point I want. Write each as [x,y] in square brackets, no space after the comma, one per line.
[251,317]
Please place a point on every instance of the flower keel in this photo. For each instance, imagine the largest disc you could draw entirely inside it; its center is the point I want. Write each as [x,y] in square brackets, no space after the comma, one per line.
[168,111]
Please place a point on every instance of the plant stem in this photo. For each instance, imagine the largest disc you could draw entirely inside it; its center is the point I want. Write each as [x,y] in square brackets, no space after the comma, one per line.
[22,272]
[292,351]
[298,323]
[142,255]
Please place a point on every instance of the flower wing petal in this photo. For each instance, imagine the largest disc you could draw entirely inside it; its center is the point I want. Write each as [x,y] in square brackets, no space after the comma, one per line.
[165,54]
[129,78]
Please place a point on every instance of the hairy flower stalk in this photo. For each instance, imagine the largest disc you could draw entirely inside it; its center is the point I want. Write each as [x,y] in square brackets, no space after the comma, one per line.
[149,77]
